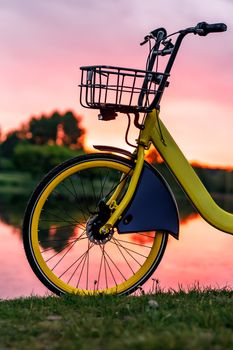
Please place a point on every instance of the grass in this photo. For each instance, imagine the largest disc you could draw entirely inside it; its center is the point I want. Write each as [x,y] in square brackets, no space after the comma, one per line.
[174,320]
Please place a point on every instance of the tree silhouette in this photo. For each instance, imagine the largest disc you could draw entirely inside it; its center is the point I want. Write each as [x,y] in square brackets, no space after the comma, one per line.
[8,146]
[44,130]
[72,131]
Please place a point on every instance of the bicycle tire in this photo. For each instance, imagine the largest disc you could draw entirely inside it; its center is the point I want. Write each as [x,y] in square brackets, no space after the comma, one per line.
[56,232]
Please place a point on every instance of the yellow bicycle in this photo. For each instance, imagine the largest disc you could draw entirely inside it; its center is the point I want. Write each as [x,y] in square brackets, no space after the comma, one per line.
[99,223]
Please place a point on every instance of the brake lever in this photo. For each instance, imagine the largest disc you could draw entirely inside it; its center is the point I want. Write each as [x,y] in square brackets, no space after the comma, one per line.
[146,39]
[168,44]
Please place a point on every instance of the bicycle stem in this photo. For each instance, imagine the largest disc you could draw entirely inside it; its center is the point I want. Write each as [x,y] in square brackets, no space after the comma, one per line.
[155,103]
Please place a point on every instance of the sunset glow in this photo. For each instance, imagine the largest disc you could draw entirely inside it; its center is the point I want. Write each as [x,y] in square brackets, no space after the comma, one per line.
[43,44]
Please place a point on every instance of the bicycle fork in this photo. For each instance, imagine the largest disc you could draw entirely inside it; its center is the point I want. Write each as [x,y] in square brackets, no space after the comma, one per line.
[112,202]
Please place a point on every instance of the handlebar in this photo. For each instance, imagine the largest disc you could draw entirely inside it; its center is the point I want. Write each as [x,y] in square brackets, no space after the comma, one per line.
[204,28]
[160,36]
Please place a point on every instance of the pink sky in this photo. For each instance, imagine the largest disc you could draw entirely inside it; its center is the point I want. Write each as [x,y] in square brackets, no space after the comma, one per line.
[42,44]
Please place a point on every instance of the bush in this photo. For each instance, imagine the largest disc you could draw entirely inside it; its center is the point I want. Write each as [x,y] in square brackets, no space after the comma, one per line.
[6,164]
[40,159]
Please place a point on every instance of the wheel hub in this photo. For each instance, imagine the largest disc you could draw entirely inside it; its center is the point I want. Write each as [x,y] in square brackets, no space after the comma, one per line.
[93,226]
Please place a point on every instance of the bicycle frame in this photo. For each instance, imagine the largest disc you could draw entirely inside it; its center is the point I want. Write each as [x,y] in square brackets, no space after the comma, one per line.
[155,132]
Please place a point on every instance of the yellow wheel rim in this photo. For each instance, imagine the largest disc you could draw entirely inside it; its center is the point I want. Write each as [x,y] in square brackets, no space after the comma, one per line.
[59,283]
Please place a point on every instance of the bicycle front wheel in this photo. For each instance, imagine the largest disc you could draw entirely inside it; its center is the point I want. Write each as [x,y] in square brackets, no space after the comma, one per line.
[61,231]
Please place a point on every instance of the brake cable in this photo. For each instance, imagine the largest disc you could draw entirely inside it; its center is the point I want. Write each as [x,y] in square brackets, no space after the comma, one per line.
[127,132]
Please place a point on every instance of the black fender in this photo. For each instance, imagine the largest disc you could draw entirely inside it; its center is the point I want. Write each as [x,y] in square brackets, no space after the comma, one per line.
[153,207]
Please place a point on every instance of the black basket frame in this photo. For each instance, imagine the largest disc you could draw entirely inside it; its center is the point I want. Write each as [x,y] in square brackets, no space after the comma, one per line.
[125,90]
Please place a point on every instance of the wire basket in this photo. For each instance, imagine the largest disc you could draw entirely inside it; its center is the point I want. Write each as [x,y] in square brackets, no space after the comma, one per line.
[125,90]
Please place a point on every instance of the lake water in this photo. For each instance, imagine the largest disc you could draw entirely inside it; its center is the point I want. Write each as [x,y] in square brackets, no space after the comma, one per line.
[202,255]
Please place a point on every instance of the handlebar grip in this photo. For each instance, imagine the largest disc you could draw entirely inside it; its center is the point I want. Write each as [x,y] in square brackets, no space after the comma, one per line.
[204,28]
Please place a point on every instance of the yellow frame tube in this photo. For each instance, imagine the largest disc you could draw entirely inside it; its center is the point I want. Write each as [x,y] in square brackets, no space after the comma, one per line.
[156,132]
[129,193]
[118,189]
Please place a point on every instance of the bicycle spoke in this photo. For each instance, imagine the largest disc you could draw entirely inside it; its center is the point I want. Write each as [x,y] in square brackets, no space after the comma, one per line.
[53,256]
[106,273]
[78,207]
[85,259]
[88,257]
[62,227]
[72,275]
[62,256]
[131,250]
[77,200]
[101,262]
[58,217]
[118,183]
[115,265]
[112,189]
[107,265]
[103,184]
[84,192]
[60,240]
[141,245]
[66,213]
[125,258]
[94,193]
[56,240]
[52,248]
[64,248]
[68,268]
[116,243]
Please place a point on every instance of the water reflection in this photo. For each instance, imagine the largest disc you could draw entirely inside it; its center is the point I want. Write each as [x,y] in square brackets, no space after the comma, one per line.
[202,254]
[16,276]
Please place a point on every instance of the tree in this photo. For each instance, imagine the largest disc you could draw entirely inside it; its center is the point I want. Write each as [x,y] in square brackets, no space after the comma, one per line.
[11,141]
[39,159]
[45,130]
[72,131]
[54,129]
